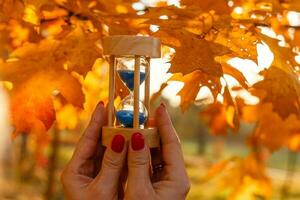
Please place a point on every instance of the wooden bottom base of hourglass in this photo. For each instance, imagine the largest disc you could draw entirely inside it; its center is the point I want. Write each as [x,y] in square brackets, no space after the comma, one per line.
[150,134]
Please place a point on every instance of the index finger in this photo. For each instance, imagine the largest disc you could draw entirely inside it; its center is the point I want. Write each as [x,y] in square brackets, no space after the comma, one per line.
[171,148]
[88,144]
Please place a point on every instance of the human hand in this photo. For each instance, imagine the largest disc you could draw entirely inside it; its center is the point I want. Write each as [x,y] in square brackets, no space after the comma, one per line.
[172,182]
[84,177]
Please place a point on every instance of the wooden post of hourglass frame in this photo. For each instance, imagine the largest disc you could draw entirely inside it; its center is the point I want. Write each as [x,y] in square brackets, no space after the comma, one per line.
[147,91]
[138,47]
[112,81]
[136,92]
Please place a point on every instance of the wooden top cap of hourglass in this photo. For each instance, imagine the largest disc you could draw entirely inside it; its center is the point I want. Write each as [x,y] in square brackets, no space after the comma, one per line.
[124,45]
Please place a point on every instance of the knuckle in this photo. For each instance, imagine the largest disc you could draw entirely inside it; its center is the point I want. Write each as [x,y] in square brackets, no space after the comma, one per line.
[100,192]
[139,160]
[111,162]
[138,193]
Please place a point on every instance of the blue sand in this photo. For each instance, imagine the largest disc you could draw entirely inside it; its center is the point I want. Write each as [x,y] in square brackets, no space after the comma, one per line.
[125,117]
[128,77]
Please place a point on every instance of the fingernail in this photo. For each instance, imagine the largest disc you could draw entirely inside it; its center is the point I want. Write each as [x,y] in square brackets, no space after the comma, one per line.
[137,141]
[101,103]
[118,143]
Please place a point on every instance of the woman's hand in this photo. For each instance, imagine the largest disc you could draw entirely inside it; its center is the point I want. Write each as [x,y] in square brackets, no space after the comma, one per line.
[172,182]
[85,177]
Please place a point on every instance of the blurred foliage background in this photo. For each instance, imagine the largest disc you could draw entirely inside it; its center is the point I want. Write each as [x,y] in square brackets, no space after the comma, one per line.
[23,179]
[229,75]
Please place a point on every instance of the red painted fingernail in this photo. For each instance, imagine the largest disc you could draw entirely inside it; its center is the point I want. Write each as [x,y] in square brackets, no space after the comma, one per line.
[118,143]
[101,103]
[137,141]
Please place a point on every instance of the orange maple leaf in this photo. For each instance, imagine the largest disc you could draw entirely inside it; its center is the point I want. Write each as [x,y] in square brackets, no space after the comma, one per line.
[193,53]
[221,116]
[272,130]
[220,6]
[281,89]
[46,68]
[192,84]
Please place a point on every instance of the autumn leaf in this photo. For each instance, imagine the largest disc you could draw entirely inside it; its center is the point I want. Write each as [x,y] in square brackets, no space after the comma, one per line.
[293,5]
[249,175]
[46,70]
[284,132]
[187,57]
[11,9]
[217,168]
[220,6]
[78,50]
[239,76]
[50,52]
[189,19]
[192,84]
[222,116]
[276,87]
[240,41]
[284,57]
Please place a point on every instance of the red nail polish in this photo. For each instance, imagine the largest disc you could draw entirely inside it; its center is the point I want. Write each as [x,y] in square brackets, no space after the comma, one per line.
[137,141]
[163,105]
[101,103]
[118,143]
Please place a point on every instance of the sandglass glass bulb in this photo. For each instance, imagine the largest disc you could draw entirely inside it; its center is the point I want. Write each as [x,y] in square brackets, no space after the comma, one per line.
[125,70]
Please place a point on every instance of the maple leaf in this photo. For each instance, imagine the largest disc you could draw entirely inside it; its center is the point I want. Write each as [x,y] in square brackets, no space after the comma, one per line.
[220,6]
[274,5]
[249,177]
[32,111]
[241,42]
[221,116]
[172,12]
[192,84]
[281,89]
[239,76]
[189,19]
[293,5]
[217,168]
[280,133]
[78,50]
[296,40]
[41,67]
[194,53]
[11,9]
[284,58]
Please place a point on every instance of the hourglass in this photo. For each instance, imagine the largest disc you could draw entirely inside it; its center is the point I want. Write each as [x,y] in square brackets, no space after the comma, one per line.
[130,60]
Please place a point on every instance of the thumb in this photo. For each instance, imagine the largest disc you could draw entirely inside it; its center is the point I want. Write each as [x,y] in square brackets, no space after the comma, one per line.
[112,164]
[138,161]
